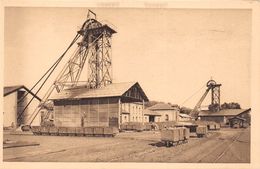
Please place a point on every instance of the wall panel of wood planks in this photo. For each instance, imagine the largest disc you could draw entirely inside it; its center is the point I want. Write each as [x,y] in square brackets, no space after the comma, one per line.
[86,113]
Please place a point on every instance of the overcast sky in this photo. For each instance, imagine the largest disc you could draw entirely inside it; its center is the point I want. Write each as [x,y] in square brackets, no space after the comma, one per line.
[172,53]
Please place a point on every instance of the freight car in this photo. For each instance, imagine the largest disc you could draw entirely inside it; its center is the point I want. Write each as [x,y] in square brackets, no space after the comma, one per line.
[201,131]
[213,126]
[174,136]
[75,131]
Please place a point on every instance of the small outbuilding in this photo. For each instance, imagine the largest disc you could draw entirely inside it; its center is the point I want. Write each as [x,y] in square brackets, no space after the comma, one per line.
[110,106]
[162,112]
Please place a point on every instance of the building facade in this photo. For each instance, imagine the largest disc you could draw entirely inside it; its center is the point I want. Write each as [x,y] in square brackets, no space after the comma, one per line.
[132,112]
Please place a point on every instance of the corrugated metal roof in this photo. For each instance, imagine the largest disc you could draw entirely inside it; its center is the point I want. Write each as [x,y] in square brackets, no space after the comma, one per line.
[161,106]
[112,90]
[225,112]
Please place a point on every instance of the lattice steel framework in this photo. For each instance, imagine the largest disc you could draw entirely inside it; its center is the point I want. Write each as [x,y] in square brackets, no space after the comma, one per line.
[94,47]
[215,98]
[215,94]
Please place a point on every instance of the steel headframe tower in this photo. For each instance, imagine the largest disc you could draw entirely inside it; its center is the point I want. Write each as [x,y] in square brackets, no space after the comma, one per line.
[97,38]
[95,48]
[215,94]
[215,98]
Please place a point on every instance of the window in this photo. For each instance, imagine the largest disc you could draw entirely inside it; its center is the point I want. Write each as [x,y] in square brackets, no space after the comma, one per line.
[166,117]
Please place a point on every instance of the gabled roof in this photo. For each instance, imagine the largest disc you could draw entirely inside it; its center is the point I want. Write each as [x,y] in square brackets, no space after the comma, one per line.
[11,89]
[225,112]
[151,113]
[111,90]
[161,106]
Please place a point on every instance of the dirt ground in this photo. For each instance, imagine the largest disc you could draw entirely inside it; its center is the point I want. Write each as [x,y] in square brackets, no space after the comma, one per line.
[223,146]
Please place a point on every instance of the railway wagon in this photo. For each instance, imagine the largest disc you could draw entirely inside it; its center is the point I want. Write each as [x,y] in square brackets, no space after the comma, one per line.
[217,125]
[211,127]
[201,131]
[174,136]
[135,126]
[186,134]
[214,126]
[75,131]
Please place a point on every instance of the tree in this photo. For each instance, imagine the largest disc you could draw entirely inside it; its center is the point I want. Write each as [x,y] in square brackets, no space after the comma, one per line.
[231,105]
[185,110]
[213,107]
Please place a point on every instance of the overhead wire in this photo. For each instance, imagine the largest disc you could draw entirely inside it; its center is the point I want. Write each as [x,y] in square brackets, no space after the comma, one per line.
[192,95]
[50,71]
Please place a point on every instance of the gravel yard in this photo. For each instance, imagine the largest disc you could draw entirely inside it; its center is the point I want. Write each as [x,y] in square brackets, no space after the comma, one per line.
[223,146]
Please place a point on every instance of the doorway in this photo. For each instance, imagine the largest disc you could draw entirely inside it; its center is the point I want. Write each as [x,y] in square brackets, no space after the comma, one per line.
[151,118]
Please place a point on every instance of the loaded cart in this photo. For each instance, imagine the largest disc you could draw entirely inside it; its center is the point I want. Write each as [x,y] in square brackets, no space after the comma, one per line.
[174,136]
[201,131]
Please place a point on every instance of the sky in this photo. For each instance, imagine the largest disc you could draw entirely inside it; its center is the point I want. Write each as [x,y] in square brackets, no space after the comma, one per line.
[172,53]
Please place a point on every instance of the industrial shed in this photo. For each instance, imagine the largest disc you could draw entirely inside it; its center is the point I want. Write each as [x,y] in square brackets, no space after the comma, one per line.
[13,106]
[223,116]
[237,122]
[162,112]
[184,117]
[106,106]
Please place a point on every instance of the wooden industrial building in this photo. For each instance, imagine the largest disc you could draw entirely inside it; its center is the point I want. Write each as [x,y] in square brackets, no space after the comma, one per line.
[13,105]
[223,116]
[108,106]
[162,112]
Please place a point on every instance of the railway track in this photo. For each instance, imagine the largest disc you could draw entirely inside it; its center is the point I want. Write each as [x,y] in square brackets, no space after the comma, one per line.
[219,149]
[234,139]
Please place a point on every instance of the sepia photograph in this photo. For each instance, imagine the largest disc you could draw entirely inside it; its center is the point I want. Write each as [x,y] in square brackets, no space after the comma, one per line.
[127,85]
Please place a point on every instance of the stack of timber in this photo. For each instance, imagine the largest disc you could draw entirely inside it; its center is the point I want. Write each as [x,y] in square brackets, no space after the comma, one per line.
[75,131]
[174,136]
[201,131]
